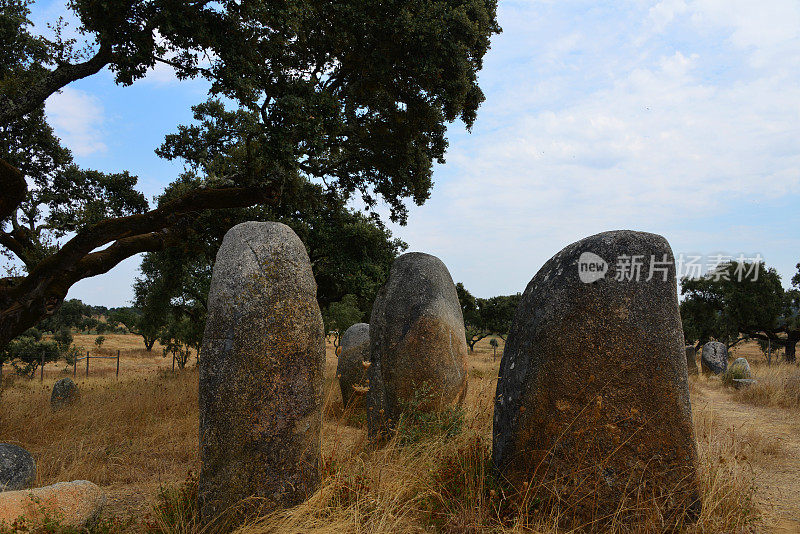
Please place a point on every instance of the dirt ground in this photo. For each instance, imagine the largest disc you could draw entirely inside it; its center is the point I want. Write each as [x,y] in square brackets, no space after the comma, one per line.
[777,477]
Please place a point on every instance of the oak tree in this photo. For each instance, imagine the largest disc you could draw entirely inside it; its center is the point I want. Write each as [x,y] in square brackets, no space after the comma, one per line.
[354,95]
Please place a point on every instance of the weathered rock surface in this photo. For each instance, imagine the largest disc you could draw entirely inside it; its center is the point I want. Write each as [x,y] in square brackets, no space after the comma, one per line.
[418,349]
[740,368]
[714,358]
[65,392]
[17,468]
[691,360]
[350,368]
[260,375]
[73,504]
[592,410]
[741,383]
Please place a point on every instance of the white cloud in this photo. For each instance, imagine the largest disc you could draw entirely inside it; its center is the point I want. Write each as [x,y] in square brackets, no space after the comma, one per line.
[677,133]
[664,12]
[78,119]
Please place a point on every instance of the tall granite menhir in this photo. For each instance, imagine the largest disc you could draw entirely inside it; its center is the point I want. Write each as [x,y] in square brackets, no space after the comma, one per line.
[418,350]
[260,375]
[592,413]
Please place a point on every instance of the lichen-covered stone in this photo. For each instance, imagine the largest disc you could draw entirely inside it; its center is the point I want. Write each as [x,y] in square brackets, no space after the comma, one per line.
[714,358]
[740,368]
[73,504]
[592,412]
[350,369]
[691,359]
[17,468]
[65,392]
[418,349]
[260,375]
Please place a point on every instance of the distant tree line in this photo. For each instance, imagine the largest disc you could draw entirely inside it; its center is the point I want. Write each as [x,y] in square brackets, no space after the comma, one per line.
[725,306]
[486,317]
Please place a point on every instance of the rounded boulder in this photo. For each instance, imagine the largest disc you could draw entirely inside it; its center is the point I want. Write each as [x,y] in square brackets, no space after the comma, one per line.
[714,358]
[740,368]
[17,468]
[73,503]
[65,392]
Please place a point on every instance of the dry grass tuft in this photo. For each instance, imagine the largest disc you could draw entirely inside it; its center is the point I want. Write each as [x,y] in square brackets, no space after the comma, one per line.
[778,386]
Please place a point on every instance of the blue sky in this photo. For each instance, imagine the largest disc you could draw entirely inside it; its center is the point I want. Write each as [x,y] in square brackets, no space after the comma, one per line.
[677,117]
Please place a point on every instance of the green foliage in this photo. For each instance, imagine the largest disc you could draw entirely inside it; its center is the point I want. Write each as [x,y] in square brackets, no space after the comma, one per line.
[725,306]
[351,255]
[71,314]
[177,336]
[63,338]
[25,352]
[484,317]
[353,96]
[339,316]
[146,322]
[99,340]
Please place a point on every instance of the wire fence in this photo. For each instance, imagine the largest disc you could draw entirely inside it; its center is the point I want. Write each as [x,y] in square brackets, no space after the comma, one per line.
[87,357]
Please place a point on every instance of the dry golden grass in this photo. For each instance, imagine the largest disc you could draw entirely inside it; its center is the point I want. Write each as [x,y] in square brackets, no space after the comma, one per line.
[777,385]
[140,432]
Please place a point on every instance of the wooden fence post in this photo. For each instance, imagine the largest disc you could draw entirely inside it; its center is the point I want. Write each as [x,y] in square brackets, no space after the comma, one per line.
[117,363]
[87,364]
[41,374]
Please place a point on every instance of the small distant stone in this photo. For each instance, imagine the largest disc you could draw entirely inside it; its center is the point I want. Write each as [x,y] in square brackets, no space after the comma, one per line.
[691,360]
[741,383]
[714,358]
[351,369]
[73,503]
[65,392]
[740,369]
[17,468]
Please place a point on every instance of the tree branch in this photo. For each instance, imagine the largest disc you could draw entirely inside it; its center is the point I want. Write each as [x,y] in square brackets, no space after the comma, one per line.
[164,216]
[37,92]
[26,302]
[13,187]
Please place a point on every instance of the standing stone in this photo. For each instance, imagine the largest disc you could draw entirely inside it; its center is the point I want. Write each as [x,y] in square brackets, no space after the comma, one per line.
[691,359]
[418,349]
[592,411]
[714,358]
[260,375]
[17,468]
[65,392]
[351,370]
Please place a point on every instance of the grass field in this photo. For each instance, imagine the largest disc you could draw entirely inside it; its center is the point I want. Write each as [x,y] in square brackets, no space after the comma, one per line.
[139,433]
